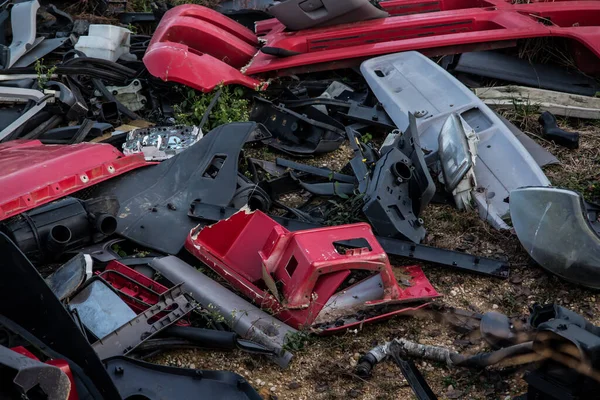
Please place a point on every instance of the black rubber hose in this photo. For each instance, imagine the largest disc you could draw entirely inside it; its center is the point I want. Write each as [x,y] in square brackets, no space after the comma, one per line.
[482,360]
[44,127]
[207,338]
[105,63]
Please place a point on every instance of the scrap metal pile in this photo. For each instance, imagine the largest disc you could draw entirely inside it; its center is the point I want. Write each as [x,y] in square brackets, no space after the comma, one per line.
[134,221]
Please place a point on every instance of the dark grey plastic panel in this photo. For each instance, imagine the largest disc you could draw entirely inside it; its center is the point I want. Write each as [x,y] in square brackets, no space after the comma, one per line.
[304,14]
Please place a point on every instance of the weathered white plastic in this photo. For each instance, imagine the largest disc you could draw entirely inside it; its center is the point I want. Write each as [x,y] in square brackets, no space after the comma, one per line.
[23,21]
[410,82]
[107,42]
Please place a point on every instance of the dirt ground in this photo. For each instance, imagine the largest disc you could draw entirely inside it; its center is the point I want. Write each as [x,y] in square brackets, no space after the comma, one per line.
[324,368]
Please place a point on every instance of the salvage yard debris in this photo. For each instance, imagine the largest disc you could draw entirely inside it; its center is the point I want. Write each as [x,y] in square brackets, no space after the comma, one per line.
[239,201]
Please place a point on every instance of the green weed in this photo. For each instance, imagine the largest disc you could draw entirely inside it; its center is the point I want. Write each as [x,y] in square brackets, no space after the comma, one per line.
[44,73]
[231,107]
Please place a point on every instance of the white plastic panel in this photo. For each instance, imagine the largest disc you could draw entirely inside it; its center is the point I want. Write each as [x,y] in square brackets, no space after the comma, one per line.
[410,82]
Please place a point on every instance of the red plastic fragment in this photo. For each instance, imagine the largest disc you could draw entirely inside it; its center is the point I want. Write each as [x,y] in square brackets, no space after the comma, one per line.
[137,290]
[192,50]
[293,274]
[199,47]
[32,174]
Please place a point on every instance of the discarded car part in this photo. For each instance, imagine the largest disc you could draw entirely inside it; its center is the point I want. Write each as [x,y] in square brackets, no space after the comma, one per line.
[62,20]
[145,325]
[27,94]
[457,153]
[412,374]
[242,317]
[326,188]
[47,46]
[149,283]
[63,366]
[407,82]
[357,299]
[552,132]
[111,110]
[70,276]
[129,95]
[306,265]
[558,103]
[231,46]
[421,187]
[298,133]
[51,229]
[541,156]
[496,65]
[67,134]
[296,15]
[24,296]
[269,167]
[161,143]
[322,172]
[544,218]
[109,113]
[570,340]
[132,377]
[448,258]
[127,18]
[497,330]
[106,42]
[102,253]
[213,339]
[399,189]
[409,370]
[100,309]
[154,199]
[138,291]
[205,40]
[23,24]
[358,163]
[408,348]
[68,169]
[250,194]
[109,7]
[29,376]
[78,108]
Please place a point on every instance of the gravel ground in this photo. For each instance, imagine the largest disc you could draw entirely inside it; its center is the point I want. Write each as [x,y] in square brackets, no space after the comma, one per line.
[324,369]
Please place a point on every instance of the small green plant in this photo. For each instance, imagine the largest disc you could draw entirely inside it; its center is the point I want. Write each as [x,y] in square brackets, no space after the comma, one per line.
[523,113]
[296,341]
[449,380]
[117,249]
[345,211]
[215,314]
[43,72]
[366,137]
[230,107]
[132,28]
